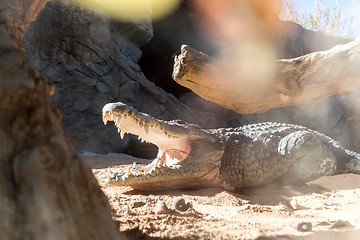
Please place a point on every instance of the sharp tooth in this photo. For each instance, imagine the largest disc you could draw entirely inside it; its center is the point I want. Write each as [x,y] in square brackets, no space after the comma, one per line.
[157,164]
[105,120]
[167,156]
[146,128]
[119,129]
[142,140]
[122,133]
[128,172]
[159,155]
[134,164]
[124,177]
[118,120]
[112,117]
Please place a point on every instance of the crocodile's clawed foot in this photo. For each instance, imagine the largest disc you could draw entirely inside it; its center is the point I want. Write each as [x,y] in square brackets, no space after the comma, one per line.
[353,166]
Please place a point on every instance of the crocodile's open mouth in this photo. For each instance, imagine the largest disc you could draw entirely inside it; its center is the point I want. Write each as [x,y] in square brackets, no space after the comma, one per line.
[188,156]
[171,137]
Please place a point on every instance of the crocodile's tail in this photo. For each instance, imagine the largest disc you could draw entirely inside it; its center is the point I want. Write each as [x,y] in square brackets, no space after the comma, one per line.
[347,160]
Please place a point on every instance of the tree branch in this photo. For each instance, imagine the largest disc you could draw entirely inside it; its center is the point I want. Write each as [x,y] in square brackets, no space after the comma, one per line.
[293,81]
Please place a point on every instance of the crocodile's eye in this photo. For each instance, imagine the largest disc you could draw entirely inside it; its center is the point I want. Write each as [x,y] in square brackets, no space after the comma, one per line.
[195,126]
[180,122]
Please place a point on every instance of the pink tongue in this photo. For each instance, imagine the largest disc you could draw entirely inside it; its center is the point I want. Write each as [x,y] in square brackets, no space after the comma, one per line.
[179,155]
[173,153]
[176,153]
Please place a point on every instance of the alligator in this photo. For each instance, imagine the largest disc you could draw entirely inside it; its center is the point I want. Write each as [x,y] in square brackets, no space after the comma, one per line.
[230,158]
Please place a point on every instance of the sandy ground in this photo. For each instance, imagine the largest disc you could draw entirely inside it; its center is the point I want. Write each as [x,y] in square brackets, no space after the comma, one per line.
[330,204]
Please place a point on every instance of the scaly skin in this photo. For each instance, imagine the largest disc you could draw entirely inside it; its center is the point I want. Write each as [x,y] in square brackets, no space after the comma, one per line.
[230,158]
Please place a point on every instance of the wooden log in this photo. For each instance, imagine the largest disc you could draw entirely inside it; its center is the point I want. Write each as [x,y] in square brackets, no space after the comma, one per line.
[293,81]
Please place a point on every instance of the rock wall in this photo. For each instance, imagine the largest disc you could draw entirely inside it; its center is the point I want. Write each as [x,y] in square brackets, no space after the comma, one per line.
[92,60]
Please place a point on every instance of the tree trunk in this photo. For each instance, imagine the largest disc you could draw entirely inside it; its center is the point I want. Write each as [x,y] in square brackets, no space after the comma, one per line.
[293,81]
[46,191]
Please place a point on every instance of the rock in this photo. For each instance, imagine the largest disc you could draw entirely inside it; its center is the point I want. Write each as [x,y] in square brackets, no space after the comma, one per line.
[294,204]
[137,204]
[341,224]
[92,60]
[303,226]
[17,24]
[180,204]
[36,157]
[161,208]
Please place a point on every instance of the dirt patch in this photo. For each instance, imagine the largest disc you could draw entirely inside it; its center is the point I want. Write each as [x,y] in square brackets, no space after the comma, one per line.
[330,204]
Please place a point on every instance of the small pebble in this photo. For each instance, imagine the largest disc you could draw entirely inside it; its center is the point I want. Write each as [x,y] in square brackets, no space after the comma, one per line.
[323,223]
[180,204]
[136,204]
[303,226]
[294,204]
[341,224]
[162,227]
[160,208]
[245,207]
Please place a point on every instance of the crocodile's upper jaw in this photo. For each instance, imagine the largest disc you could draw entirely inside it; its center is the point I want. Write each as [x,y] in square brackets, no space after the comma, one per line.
[187,156]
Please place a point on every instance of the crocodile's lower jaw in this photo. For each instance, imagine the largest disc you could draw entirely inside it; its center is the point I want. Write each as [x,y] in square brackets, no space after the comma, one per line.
[166,158]
[116,178]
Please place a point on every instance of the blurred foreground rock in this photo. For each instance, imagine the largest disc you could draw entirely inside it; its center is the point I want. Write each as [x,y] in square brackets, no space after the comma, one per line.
[46,190]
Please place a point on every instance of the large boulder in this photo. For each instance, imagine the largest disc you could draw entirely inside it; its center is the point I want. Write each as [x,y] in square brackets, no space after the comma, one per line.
[92,60]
